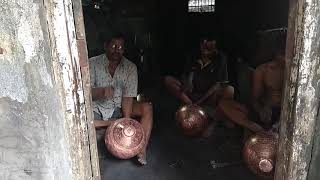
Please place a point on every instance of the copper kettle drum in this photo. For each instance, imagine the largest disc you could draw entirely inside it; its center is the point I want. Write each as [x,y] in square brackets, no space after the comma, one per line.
[125,138]
[259,154]
[192,119]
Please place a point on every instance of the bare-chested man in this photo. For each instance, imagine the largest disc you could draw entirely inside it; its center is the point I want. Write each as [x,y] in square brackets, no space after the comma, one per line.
[205,81]
[266,100]
[114,82]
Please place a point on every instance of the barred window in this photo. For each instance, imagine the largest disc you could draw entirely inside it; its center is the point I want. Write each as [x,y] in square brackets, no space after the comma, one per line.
[201,5]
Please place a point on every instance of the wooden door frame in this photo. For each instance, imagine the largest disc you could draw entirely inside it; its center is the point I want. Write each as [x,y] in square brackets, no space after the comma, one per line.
[84,66]
[297,154]
[71,72]
[297,157]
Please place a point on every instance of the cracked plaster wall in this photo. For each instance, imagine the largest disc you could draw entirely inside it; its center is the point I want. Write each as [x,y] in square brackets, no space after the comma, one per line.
[32,135]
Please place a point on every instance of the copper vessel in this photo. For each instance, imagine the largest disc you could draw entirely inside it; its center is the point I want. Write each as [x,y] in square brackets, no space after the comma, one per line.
[192,119]
[125,138]
[260,154]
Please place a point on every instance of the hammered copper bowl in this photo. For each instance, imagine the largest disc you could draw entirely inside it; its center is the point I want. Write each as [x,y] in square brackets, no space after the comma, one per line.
[260,154]
[125,138]
[192,119]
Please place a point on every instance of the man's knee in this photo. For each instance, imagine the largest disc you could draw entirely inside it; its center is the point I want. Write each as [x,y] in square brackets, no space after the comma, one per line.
[146,107]
[221,104]
[228,92]
[142,109]
[169,80]
[224,105]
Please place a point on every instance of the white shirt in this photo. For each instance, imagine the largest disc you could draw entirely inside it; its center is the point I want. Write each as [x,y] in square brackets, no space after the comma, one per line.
[124,82]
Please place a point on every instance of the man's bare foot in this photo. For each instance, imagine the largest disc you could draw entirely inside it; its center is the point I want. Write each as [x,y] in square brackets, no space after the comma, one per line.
[142,158]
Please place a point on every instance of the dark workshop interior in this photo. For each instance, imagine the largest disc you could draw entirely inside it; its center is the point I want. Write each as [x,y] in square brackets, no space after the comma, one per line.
[161,36]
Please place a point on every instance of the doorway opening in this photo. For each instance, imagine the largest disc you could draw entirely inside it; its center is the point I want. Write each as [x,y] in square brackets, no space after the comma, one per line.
[161,37]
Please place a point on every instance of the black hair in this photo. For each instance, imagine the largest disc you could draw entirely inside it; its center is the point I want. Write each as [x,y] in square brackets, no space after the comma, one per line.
[114,35]
[208,37]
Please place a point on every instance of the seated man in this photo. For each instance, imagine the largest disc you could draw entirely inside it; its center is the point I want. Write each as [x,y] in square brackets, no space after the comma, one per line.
[267,94]
[114,82]
[206,79]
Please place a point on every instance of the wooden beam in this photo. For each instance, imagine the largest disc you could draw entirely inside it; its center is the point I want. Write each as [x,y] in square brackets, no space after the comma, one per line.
[84,67]
[299,117]
[66,68]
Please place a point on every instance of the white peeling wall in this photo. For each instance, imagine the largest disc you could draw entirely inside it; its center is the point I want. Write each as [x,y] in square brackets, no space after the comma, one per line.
[32,135]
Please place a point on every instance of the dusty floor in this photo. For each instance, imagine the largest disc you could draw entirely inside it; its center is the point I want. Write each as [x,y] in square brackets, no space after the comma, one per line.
[172,156]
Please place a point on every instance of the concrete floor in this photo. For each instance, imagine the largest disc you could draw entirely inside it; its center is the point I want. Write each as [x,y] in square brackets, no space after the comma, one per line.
[171,156]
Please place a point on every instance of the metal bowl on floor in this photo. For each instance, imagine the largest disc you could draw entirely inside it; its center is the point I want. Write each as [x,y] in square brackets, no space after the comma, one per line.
[125,138]
[192,119]
[259,154]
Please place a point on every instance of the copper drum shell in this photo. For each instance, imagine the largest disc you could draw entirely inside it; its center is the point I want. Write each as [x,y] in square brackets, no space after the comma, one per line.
[125,138]
[192,120]
[259,154]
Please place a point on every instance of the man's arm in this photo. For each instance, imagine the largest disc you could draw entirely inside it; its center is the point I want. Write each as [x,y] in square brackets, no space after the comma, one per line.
[209,93]
[187,83]
[258,87]
[127,103]
[101,93]
[97,93]
[130,91]
[260,104]
[222,79]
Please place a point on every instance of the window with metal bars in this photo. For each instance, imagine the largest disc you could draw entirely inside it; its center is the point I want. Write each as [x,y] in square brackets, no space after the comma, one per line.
[201,5]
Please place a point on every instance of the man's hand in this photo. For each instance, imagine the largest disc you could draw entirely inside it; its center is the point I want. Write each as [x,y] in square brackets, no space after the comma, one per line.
[212,91]
[102,93]
[127,104]
[108,92]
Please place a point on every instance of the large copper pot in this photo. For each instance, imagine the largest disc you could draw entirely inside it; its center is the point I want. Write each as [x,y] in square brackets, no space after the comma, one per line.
[125,138]
[192,119]
[260,154]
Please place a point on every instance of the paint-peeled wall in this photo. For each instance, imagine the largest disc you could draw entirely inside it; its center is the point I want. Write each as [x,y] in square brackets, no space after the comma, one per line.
[32,135]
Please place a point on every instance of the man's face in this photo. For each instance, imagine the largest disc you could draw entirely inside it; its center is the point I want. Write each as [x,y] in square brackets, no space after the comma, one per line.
[208,48]
[115,49]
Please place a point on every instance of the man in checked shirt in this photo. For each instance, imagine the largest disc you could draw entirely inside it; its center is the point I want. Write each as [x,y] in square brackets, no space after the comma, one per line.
[114,82]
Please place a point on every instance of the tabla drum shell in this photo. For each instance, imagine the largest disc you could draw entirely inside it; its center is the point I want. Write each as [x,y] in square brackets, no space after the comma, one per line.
[192,120]
[259,154]
[125,138]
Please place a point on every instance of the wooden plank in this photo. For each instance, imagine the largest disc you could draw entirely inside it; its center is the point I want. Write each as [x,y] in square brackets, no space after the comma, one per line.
[314,172]
[78,19]
[66,63]
[314,165]
[301,92]
[91,129]
[83,54]
[84,66]
[285,129]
